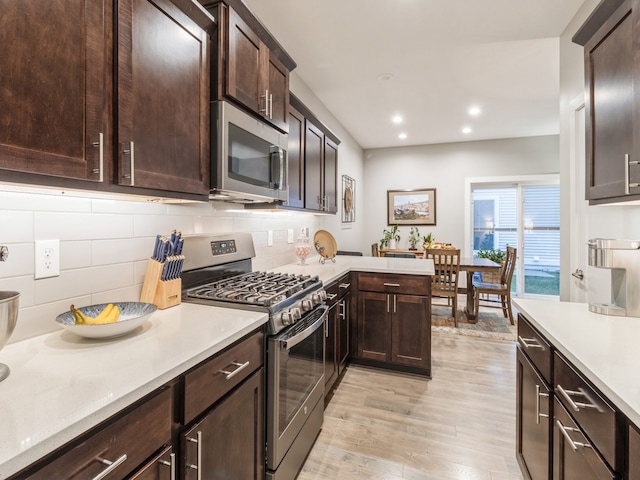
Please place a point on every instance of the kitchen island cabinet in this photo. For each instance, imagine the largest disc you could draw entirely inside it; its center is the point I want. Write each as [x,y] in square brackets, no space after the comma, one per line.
[394,321]
[611,44]
[95,106]
[336,352]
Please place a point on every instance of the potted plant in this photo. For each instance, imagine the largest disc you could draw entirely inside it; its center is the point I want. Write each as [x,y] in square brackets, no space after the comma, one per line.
[414,238]
[390,238]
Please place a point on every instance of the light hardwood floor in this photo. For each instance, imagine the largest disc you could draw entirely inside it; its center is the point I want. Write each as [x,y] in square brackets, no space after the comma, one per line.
[458,425]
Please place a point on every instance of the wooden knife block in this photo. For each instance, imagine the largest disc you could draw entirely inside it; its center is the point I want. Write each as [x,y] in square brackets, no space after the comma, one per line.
[163,294]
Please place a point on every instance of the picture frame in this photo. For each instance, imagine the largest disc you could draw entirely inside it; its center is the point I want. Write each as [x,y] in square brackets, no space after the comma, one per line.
[411,207]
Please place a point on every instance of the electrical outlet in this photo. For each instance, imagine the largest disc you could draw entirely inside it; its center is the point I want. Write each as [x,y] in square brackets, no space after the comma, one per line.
[47,256]
[290,235]
[270,238]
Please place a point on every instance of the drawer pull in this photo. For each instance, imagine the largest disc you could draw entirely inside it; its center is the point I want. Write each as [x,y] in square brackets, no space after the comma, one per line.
[538,395]
[331,296]
[526,344]
[198,466]
[171,464]
[565,433]
[343,308]
[241,366]
[111,466]
[345,285]
[391,284]
[577,405]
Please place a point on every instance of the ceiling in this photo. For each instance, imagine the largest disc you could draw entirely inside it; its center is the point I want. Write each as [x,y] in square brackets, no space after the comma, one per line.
[428,61]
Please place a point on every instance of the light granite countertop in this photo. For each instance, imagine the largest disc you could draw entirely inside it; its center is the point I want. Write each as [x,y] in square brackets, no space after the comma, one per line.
[61,385]
[602,347]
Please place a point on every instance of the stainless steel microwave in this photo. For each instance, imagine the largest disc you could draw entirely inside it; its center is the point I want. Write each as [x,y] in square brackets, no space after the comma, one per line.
[248,157]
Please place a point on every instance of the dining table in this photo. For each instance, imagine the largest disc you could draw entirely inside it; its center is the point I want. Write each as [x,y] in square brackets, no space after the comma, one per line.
[471,265]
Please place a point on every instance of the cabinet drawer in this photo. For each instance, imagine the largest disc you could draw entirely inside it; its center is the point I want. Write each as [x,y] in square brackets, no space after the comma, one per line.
[332,293]
[344,285]
[592,412]
[536,347]
[391,283]
[127,442]
[211,380]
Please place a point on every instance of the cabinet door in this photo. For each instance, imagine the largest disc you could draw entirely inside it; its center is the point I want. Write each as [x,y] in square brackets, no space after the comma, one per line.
[411,330]
[295,158]
[54,88]
[330,176]
[313,154]
[344,308]
[374,326]
[610,106]
[229,441]
[533,421]
[574,458]
[330,350]
[634,454]
[244,64]
[163,91]
[278,87]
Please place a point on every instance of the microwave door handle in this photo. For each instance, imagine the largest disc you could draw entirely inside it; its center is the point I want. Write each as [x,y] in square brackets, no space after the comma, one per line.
[281,157]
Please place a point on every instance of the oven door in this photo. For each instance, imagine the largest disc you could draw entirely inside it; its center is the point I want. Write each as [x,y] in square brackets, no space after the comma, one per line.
[295,381]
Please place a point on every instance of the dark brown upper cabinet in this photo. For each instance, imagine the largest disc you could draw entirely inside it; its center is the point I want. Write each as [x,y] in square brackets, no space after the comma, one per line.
[252,68]
[612,109]
[163,98]
[295,159]
[54,93]
[86,110]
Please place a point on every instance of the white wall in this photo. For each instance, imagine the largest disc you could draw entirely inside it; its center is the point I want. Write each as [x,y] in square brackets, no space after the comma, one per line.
[105,243]
[445,168]
[601,221]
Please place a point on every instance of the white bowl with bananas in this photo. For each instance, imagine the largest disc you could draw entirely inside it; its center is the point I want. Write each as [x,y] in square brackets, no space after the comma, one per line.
[106,320]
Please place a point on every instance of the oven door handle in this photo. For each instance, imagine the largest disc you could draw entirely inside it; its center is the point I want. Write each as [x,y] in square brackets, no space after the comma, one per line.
[288,343]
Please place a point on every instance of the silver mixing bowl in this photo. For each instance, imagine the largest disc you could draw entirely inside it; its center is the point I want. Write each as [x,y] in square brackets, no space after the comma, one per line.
[8,317]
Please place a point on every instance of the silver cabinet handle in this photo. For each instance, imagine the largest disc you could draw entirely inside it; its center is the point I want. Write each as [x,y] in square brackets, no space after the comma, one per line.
[270,105]
[343,310]
[198,466]
[526,344]
[395,304]
[579,274]
[345,285]
[391,284]
[387,303]
[331,296]
[100,145]
[565,433]
[538,395]
[576,405]
[171,464]
[132,164]
[627,165]
[241,366]
[111,466]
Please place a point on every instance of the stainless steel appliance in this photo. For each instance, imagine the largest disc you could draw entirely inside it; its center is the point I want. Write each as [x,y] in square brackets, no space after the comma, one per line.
[217,271]
[248,157]
[614,283]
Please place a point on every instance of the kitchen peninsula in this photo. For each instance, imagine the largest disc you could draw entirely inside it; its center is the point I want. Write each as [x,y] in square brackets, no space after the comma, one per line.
[62,386]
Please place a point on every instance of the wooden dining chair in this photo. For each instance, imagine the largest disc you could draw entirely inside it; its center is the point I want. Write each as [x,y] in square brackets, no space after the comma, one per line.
[446,264]
[501,290]
[375,251]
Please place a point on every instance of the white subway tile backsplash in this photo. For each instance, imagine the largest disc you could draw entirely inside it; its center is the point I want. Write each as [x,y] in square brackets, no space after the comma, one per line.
[53,201]
[81,226]
[75,254]
[22,284]
[128,208]
[152,225]
[17,226]
[213,224]
[20,260]
[105,252]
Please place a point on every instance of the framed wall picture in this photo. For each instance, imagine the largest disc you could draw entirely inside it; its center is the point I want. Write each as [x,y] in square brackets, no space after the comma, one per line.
[411,207]
[348,199]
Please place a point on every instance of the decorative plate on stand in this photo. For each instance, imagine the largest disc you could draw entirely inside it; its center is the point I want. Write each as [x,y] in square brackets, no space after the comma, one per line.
[325,245]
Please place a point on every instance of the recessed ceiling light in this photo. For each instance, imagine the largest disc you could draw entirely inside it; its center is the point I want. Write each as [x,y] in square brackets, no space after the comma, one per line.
[474,111]
[384,77]
[402,136]
[466,130]
[397,119]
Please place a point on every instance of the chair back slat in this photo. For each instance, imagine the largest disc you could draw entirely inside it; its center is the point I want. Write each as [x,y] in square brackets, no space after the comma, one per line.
[447,266]
[509,267]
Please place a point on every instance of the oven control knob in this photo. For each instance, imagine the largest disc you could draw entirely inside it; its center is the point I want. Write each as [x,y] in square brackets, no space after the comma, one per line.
[323,295]
[307,304]
[315,298]
[296,313]
[287,318]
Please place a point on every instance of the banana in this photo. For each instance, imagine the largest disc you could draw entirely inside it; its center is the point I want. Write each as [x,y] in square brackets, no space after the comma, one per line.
[111,316]
[80,317]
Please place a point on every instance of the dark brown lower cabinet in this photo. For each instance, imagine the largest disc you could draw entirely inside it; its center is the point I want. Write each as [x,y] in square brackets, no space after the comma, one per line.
[228,442]
[533,421]
[330,350]
[634,454]
[574,457]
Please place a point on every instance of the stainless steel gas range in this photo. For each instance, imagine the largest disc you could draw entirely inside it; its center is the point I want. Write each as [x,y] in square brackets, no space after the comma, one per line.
[218,271]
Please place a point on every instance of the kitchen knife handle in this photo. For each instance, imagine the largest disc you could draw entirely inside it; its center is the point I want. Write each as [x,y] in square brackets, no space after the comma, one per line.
[100,145]
[111,466]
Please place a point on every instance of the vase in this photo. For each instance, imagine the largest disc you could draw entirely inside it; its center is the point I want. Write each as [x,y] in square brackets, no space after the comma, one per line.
[392,244]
